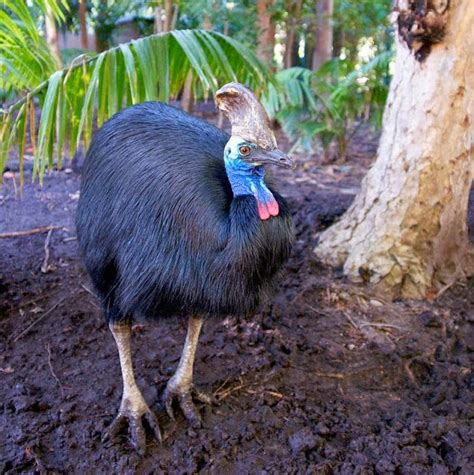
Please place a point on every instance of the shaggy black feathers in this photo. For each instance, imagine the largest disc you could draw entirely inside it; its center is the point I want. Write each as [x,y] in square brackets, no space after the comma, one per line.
[159,228]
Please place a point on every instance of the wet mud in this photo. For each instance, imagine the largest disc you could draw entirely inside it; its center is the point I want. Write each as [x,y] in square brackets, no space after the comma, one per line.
[327,378]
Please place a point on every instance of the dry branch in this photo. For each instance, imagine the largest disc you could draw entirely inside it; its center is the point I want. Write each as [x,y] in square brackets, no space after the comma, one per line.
[45,267]
[45,314]
[48,349]
[29,232]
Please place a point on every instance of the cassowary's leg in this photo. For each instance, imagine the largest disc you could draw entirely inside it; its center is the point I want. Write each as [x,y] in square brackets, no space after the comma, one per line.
[133,407]
[180,386]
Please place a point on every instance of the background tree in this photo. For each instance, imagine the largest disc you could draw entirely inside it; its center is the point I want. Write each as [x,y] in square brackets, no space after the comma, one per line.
[52,36]
[266,31]
[324,33]
[293,11]
[83,24]
[407,228]
[356,22]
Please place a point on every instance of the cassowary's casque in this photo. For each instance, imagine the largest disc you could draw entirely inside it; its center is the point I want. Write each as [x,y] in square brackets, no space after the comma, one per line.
[175,217]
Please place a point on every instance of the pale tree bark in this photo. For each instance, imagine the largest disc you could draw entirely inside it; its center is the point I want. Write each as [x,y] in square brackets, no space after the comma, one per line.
[266,29]
[83,23]
[158,25]
[52,36]
[406,231]
[324,33]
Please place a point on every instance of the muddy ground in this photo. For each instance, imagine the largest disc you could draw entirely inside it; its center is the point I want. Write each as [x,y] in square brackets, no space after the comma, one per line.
[326,378]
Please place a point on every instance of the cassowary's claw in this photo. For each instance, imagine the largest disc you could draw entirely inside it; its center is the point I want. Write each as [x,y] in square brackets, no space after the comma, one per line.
[134,420]
[184,397]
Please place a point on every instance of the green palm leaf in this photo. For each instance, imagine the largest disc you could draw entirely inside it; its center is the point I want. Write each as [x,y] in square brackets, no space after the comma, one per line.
[151,68]
[25,57]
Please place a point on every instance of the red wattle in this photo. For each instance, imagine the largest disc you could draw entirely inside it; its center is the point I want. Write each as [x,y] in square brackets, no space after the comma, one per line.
[263,212]
[273,207]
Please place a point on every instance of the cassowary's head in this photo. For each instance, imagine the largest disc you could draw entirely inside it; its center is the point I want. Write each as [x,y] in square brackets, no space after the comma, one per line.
[251,146]
[246,154]
[253,142]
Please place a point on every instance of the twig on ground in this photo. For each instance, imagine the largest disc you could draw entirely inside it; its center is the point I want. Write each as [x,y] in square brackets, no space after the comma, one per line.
[330,375]
[336,375]
[380,325]
[221,386]
[45,267]
[90,292]
[48,349]
[409,372]
[29,232]
[45,314]
[266,391]
[37,299]
[443,289]
[317,311]
[352,322]
[7,370]
[223,394]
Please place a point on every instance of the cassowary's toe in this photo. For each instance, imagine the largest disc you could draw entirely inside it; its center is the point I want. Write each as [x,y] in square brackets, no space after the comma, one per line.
[134,421]
[185,397]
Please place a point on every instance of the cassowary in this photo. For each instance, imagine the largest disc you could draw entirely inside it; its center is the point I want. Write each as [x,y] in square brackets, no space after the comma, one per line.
[176,217]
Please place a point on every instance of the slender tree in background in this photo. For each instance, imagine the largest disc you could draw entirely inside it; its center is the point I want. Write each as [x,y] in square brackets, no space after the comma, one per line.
[52,36]
[293,8]
[407,231]
[266,29]
[324,33]
[158,24]
[83,24]
[187,95]
[168,15]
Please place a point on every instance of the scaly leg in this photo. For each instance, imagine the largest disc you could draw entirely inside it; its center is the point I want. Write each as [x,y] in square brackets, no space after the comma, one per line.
[133,407]
[180,386]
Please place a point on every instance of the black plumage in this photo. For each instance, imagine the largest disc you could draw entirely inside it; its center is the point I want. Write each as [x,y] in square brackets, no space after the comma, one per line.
[159,228]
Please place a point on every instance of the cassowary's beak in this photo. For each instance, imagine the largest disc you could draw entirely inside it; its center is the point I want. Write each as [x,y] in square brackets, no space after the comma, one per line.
[271,157]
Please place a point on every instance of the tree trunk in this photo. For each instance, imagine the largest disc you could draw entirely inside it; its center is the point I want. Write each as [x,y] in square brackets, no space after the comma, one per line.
[83,23]
[52,36]
[324,33]
[266,28]
[338,41]
[158,23]
[293,8]
[407,231]
[168,15]
[187,100]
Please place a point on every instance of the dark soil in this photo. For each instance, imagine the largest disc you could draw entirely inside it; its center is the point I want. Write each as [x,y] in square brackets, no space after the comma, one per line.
[326,378]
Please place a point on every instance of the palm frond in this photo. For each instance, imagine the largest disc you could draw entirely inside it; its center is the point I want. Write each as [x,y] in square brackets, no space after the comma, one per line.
[25,57]
[151,68]
[322,104]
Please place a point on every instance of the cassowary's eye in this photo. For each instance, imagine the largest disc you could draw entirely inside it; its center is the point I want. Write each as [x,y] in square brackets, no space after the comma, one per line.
[244,150]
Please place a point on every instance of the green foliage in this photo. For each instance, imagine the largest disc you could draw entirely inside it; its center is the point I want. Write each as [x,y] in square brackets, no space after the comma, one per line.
[238,17]
[362,19]
[151,68]
[103,16]
[25,57]
[68,55]
[322,106]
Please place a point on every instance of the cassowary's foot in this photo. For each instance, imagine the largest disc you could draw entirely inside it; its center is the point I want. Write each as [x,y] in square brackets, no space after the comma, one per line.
[132,413]
[185,395]
[133,408]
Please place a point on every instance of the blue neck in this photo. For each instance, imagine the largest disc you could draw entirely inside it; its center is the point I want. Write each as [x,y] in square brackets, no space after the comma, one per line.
[247,180]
